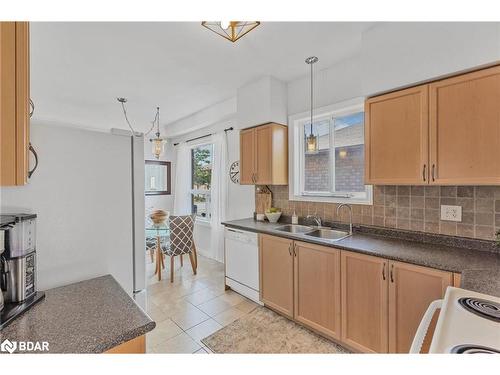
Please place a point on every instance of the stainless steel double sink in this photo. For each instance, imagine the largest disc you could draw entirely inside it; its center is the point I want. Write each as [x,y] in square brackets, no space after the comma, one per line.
[322,233]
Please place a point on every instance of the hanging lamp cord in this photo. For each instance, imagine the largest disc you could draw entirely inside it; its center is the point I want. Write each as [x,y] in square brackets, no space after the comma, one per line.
[156,119]
[311,99]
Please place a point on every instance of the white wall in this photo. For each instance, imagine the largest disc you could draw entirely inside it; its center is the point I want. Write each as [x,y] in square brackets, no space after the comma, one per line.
[331,85]
[261,101]
[398,54]
[394,55]
[80,193]
[241,198]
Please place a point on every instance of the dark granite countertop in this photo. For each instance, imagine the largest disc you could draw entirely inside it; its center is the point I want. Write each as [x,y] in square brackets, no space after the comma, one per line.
[480,269]
[90,316]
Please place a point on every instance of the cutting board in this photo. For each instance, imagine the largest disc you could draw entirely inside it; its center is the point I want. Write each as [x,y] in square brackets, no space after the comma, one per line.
[263,201]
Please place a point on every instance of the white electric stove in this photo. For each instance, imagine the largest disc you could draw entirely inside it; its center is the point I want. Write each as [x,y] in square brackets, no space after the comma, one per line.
[468,323]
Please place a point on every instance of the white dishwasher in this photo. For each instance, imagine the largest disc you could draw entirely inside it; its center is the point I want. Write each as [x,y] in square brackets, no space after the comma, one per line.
[242,262]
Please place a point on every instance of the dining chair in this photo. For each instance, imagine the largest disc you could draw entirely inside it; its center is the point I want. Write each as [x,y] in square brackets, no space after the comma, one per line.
[181,241]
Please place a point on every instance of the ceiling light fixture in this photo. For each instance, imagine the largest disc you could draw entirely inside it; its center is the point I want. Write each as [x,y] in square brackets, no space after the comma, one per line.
[312,141]
[231,30]
[158,142]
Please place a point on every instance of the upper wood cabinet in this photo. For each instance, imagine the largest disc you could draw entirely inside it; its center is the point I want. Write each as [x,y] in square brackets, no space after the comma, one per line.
[264,155]
[443,133]
[364,302]
[465,129]
[396,137]
[276,273]
[317,287]
[411,290]
[14,103]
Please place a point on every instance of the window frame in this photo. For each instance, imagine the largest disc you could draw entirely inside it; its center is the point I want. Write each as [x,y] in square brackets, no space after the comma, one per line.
[206,193]
[296,158]
[168,167]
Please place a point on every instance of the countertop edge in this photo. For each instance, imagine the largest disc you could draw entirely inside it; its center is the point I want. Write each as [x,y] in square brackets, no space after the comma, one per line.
[133,334]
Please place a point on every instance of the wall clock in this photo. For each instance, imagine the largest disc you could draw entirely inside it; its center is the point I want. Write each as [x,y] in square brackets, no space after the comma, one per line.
[234,172]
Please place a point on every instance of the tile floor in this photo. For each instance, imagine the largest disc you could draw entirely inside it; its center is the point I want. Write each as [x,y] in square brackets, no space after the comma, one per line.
[192,307]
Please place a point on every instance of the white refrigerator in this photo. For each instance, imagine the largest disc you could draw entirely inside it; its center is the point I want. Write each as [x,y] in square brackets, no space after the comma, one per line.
[137,217]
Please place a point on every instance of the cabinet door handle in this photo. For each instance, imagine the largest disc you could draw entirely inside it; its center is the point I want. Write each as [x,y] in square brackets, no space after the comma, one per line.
[32,149]
[294,249]
[433,168]
[423,172]
[32,108]
[392,273]
[383,272]
[290,249]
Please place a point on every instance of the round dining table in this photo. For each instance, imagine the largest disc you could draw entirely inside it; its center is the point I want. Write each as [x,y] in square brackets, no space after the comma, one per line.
[159,231]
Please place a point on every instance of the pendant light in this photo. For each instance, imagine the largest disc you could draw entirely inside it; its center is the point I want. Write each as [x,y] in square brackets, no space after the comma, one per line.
[158,142]
[312,141]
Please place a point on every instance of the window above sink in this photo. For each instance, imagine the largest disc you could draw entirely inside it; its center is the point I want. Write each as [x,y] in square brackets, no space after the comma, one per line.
[335,173]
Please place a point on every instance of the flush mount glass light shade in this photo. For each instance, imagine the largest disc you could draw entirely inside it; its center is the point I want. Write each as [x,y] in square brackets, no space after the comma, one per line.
[232,30]
[158,146]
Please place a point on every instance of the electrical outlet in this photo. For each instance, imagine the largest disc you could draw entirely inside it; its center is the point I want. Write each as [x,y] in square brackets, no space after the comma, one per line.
[451,213]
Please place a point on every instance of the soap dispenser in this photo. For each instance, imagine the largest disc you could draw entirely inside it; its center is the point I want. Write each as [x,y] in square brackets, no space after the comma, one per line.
[295,218]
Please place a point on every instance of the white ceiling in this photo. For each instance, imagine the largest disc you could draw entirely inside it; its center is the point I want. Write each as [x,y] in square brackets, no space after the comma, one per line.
[78,69]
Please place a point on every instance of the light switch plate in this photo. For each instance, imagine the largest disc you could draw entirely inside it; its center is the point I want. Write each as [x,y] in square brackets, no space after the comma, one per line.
[451,213]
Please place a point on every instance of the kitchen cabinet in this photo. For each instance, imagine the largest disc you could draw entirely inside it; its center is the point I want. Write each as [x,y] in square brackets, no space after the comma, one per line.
[317,287]
[444,133]
[134,346]
[465,129]
[396,138]
[264,155]
[411,290]
[364,302]
[14,103]
[368,303]
[276,273]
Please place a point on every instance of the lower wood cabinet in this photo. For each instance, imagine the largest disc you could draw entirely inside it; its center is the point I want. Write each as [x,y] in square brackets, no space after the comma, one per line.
[370,304]
[134,346]
[411,290]
[317,287]
[276,273]
[364,302]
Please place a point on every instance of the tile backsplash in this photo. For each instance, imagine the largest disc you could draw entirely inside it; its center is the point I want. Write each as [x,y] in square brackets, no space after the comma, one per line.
[413,208]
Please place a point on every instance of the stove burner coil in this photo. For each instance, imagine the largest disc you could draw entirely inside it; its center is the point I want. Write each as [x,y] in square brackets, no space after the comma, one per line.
[481,307]
[473,349]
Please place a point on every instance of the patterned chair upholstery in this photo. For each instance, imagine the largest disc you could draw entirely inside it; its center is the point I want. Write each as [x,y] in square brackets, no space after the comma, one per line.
[181,241]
